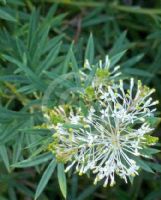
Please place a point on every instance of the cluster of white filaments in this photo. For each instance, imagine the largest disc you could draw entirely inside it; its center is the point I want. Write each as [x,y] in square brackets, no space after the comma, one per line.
[107,139]
[103,71]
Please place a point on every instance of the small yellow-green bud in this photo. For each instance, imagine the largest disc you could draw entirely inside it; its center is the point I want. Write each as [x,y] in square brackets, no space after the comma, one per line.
[150,140]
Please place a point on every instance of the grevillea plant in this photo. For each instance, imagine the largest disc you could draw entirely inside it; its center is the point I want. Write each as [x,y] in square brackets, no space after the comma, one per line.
[108,133]
[64,113]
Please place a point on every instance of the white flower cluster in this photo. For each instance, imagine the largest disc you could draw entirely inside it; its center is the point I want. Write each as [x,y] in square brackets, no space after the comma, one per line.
[106,140]
[103,71]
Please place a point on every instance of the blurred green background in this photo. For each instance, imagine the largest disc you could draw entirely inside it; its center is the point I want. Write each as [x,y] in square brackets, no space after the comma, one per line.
[35,38]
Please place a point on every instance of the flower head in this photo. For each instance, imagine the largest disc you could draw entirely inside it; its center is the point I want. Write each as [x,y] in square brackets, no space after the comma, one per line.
[102,70]
[107,138]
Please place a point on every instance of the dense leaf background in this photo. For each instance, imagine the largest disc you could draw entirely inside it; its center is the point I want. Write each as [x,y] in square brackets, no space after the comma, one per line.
[40,41]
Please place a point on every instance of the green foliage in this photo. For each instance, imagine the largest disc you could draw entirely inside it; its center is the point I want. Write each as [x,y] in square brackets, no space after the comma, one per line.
[62,179]
[45,178]
[43,46]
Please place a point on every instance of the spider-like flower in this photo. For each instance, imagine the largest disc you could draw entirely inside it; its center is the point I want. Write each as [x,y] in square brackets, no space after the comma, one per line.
[103,72]
[107,139]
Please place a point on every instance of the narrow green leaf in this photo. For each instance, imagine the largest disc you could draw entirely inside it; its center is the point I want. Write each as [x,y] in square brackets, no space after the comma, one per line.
[62,179]
[143,165]
[30,162]
[149,151]
[80,3]
[52,43]
[10,130]
[3,1]
[9,115]
[31,40]
[89,53]
[52,11]
[153,121]
[155,166]
[97,20]
[136,9]
[92,14]
[154,35]
[4,156]
[67,60]
[49,59]
[40,46]
[29,73]
[45,178]
[114,59]
[57,20]
[17,148]
[11,193]
[132,61]
[23,189]
[75,69]
[138,72]
[119,44]
[6,16]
